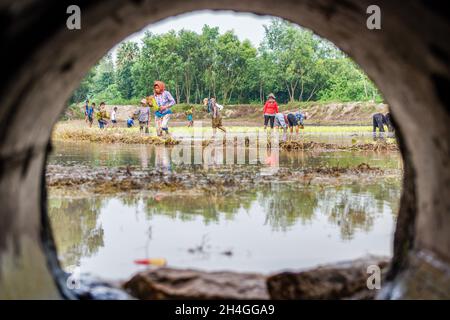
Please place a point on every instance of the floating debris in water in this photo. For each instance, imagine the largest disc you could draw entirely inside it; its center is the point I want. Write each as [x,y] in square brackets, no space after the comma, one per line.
[157,262]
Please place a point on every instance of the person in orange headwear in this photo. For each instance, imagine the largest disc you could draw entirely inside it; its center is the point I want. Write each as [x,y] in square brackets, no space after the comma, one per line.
[165,101]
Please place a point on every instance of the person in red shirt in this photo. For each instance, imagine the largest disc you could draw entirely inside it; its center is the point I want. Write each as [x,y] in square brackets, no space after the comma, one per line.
[270,109]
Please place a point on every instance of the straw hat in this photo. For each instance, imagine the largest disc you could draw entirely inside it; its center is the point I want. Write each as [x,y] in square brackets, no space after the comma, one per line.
[144,101]
[271,95]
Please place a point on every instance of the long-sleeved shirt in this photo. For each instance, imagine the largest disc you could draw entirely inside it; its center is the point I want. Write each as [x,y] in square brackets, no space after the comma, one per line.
[144,114]
[164,99]
[271,107]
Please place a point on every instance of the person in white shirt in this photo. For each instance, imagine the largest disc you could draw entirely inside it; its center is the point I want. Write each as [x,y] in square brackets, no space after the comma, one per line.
[113,117]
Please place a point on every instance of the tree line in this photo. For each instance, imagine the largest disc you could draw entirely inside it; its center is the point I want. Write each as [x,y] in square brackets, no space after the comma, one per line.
[291,62]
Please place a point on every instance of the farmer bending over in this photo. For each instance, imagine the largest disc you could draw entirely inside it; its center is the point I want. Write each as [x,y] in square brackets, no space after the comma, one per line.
[281,121]
[296,120]
[378,120]
[389,124]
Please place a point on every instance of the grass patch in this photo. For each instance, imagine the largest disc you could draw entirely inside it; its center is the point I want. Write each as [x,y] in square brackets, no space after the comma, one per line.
[110,135]
[77,131]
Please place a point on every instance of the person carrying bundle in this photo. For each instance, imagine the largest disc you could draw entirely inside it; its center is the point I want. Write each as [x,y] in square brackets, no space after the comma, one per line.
[214,109]
[164,101]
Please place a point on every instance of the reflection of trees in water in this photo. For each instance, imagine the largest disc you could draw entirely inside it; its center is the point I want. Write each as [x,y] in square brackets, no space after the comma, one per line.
[355,207]
[211,208]
[351,207]
[285,205]
[75,229]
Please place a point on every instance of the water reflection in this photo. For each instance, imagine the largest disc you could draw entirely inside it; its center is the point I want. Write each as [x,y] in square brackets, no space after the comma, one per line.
[354,208]
[77,231]
[286,206]
[267,228]
[162,157]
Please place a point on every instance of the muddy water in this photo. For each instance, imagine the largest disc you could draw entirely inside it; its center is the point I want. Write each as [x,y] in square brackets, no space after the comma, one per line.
[150,156]
[265,229]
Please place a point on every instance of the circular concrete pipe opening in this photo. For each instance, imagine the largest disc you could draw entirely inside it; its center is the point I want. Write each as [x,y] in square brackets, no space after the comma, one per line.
[408,61]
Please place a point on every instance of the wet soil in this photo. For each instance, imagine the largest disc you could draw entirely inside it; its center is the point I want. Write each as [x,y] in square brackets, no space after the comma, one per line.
[106,180]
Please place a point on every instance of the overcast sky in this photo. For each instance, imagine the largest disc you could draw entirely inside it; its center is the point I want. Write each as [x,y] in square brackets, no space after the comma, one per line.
[245,25]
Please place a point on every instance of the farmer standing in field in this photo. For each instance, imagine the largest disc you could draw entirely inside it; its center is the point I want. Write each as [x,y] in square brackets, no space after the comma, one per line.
[143,115]
[269,111]
[190,116]
[90,114]
[114,117]
[102,116]
[86,108]
[165,101]
[216,119]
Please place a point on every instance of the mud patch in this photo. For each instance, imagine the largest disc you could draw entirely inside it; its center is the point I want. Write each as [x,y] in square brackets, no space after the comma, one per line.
[311,145]
[106,180]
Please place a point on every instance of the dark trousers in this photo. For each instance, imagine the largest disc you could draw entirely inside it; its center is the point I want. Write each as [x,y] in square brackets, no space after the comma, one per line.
[101,123]
[142,125]
[378,122]
[268,118]
[389,122]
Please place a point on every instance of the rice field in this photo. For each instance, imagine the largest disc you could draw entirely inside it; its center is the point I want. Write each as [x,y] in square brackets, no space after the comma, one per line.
[78,131]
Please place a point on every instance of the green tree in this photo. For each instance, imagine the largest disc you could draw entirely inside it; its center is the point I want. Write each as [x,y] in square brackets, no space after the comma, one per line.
[127,54]
[104,75]
[291,62]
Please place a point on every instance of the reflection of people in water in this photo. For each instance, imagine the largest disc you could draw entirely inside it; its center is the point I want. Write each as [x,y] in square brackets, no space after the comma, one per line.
[162,159]
[144,156]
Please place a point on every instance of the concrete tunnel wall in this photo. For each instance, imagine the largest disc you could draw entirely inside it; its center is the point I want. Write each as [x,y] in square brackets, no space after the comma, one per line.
[42,62]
